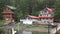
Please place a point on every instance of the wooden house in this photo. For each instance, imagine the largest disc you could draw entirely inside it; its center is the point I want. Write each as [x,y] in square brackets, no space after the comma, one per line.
[8,12]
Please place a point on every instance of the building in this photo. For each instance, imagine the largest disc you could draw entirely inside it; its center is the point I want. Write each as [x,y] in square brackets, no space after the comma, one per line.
[8,13]
[27,20]
[45,17]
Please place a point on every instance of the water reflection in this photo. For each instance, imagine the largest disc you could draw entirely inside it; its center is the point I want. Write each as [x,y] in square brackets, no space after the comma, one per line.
[27,32]
[35,32]
[58,32]
[31,32]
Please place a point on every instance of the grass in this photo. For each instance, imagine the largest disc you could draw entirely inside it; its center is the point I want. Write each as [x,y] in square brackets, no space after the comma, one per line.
[31,25]
[2,21]
[18,23]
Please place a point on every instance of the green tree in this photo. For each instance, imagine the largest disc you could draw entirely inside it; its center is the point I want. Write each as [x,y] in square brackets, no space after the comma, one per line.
[57,8]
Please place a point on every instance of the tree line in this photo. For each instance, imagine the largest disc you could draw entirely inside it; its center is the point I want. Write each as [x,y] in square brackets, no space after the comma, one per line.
[30,7]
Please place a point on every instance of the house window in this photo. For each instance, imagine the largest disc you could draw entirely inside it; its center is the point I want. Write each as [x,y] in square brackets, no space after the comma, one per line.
[46,18]
[47,14]
[39,18]
[50,18]
[48,22]
[44,21]
[43,18]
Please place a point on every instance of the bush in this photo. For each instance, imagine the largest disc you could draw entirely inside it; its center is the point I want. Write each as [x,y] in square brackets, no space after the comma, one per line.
[1,31]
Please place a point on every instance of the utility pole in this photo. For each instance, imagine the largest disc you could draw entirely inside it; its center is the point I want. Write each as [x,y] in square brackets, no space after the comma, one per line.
[13,32]
[18,27]
[48,28]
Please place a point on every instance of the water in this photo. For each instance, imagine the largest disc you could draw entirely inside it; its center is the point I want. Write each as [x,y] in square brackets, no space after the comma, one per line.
[31,32]
[58,32]
[34,32]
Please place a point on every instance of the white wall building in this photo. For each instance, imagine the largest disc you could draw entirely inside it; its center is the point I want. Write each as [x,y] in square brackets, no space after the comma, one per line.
[46,16]
[27,21]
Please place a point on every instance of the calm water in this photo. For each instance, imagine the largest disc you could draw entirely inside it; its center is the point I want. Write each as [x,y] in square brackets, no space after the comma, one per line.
[58,32]
[31,32]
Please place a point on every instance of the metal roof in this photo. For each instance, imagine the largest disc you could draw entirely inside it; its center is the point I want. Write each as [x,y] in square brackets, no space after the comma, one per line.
[11,7]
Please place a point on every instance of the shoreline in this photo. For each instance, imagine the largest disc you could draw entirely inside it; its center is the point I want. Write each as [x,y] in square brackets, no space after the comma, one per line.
[25,28]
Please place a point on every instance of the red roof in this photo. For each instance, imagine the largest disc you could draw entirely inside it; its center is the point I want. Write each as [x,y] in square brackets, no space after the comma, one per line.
[40,16]
[33,16]
[49,9]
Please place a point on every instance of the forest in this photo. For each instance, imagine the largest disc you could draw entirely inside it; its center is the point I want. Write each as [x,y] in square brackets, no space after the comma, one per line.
[30,7]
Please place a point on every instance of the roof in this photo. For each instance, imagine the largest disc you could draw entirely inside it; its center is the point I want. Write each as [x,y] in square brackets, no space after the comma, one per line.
[11,7]
[9,11]
[40,16]
[33,16]
[48,9]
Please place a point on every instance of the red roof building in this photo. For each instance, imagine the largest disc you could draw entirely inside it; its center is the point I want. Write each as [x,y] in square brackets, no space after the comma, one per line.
[46,15]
